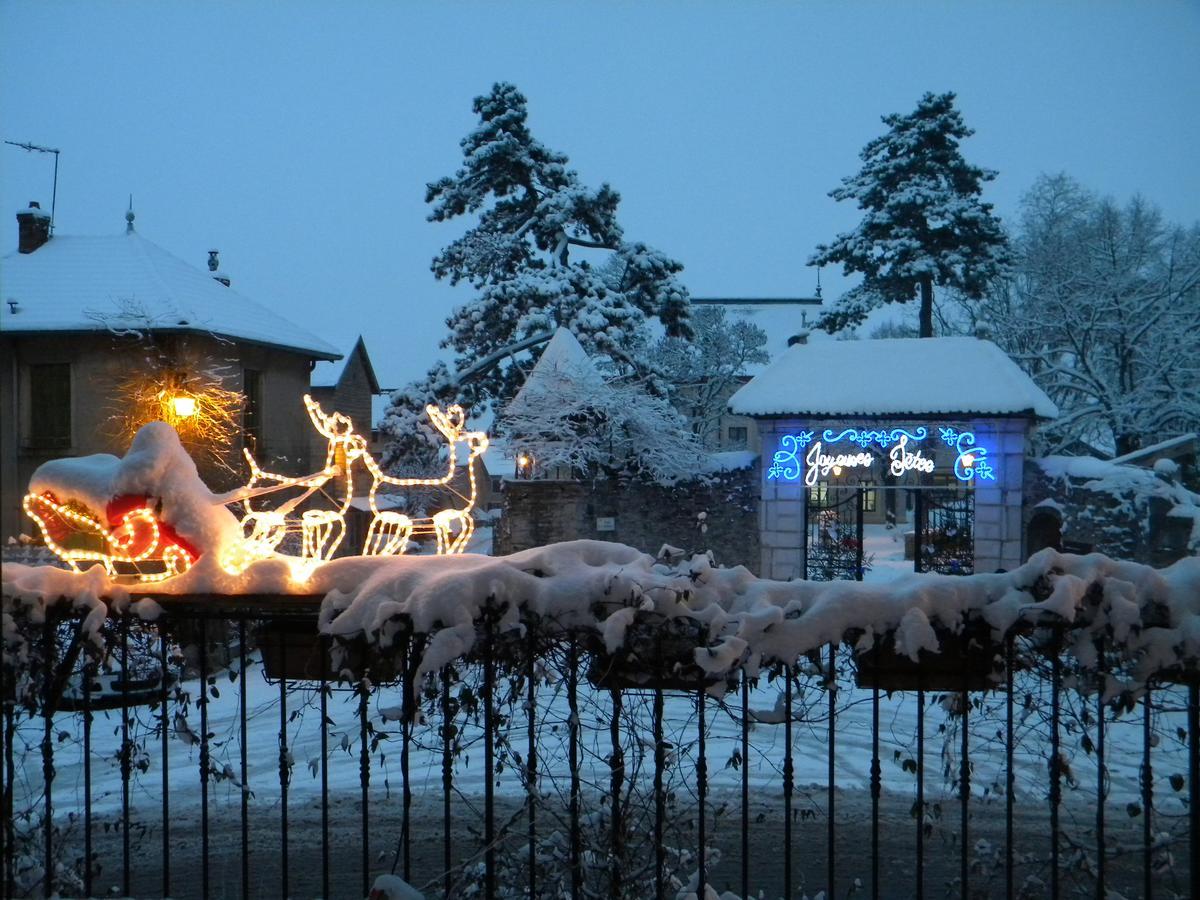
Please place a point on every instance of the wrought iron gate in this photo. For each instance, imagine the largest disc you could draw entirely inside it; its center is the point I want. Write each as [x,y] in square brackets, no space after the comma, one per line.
[945,531]
[833,534]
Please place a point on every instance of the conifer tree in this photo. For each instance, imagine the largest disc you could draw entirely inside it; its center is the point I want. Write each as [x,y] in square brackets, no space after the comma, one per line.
[530,211]
[924,223]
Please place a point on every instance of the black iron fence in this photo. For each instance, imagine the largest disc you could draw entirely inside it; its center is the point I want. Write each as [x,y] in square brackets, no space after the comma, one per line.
[221,747]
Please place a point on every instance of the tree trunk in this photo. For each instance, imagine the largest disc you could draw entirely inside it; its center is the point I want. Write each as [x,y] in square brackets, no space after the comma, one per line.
[1127,443]
[926,307]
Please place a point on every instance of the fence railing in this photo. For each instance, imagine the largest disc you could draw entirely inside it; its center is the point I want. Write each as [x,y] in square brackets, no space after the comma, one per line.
[221,746]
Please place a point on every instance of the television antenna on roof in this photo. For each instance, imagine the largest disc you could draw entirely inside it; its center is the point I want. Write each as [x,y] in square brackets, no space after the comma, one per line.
[35,148]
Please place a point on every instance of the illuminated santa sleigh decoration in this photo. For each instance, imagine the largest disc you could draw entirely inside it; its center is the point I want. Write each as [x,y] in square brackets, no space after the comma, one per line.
[134,543]
[129,540]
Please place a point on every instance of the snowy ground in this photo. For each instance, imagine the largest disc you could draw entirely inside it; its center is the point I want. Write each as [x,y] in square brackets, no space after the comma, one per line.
[884,547]
[898,725]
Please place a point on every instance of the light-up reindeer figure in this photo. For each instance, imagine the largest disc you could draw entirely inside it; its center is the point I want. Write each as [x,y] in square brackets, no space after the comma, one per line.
[445,520]
[322,530]
[390,531]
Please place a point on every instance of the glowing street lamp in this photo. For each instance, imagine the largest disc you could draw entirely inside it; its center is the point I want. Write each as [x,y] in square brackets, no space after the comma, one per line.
[183,406]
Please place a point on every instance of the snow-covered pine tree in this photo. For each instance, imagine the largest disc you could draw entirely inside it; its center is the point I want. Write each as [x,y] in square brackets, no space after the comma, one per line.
[924,223]
[530,211]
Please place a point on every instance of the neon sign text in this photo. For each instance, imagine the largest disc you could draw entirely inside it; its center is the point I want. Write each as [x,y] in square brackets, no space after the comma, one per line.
[903,461]
[821,463]
[791,463]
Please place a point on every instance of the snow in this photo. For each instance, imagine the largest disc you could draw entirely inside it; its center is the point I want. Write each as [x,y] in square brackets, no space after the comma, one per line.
[750,620]
[729,460]
[1159,447]
[75,283]
[1132,485]
[893,376]
[563,366]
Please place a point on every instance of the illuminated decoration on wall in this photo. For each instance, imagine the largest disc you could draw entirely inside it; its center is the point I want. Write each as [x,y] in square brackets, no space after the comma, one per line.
[132,543]
[786,463]
[972,459]
[792,462]
[206,415]
[864,438]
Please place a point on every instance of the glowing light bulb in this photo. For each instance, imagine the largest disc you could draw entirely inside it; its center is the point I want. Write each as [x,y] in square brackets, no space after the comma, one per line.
[183,406]
[968,460]
[522,460]
[837,470]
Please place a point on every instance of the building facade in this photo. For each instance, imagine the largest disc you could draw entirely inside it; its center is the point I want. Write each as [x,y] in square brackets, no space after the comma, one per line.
[83,314]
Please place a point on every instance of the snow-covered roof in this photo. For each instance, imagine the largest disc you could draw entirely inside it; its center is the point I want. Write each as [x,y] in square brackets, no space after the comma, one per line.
[564,363]
[71,283]
[1160,447]
[893,377]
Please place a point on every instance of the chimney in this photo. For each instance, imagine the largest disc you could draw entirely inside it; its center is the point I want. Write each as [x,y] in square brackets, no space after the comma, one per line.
[33,228]
[214,266]
[800,337]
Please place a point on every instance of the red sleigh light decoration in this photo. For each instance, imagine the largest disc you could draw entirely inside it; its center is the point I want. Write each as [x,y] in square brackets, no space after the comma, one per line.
[131,541]
[134,543]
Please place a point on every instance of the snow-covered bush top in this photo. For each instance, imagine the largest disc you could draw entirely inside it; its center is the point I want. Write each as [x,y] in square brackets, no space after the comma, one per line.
[1153,616]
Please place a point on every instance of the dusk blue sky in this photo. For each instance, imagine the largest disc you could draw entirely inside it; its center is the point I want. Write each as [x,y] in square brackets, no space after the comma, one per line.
[298,138]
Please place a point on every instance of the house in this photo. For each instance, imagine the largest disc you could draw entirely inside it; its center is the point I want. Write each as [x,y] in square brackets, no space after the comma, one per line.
[936,426]
[83,315]
[784,320]
[348,386]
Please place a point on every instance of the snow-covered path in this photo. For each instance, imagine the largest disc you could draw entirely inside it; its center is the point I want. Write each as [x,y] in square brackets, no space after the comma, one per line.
[853,742]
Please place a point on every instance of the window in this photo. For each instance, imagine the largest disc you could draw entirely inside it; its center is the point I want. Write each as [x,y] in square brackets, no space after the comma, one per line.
[50,405]
[252,411]
[869,499]
[737,436]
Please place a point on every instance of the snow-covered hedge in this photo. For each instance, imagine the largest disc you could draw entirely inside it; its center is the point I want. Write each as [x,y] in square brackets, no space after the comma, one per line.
[1151,616]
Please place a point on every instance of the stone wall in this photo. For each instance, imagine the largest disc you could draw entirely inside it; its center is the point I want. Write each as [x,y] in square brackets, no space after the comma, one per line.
[1126,512]
[720,515]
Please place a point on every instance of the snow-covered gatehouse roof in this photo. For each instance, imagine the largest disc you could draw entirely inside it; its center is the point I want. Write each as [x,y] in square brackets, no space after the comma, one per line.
[81,284]
[894,377]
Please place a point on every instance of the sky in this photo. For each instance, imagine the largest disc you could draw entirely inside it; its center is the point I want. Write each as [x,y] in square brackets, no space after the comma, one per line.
[298,139]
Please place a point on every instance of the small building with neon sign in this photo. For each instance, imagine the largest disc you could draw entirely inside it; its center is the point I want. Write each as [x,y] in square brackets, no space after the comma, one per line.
[935,429]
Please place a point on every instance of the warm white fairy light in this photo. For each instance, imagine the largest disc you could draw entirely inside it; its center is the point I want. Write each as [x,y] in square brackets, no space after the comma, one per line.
[184,406]
[137,525]
[137,536]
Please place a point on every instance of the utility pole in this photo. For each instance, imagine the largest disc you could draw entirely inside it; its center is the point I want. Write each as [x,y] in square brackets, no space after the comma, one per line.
[34,148]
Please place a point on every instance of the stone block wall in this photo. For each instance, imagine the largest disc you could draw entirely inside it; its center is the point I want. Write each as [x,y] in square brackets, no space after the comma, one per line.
[720,515]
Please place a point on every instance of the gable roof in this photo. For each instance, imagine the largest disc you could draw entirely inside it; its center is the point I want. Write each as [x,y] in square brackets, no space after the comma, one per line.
[73,283]
[893,377]
[327,373]
[563,364]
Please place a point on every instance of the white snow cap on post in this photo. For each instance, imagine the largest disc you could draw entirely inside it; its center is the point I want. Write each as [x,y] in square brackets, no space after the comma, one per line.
[893,377]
